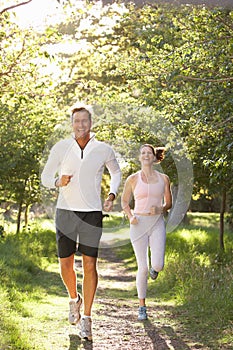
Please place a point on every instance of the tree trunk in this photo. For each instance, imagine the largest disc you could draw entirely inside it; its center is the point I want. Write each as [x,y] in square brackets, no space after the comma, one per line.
[26,215]
[19,216]
[222,211]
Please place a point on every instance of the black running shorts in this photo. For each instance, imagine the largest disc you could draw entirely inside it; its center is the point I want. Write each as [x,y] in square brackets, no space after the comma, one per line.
[76,230]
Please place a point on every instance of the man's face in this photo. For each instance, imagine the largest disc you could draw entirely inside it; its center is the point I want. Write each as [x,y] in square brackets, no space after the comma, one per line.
[81,124]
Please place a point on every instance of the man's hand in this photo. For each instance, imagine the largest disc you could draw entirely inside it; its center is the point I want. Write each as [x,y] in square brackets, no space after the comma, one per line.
[108,205]
[63,181]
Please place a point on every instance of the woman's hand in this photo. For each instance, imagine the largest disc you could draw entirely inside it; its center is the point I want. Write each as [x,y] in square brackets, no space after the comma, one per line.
[133,220]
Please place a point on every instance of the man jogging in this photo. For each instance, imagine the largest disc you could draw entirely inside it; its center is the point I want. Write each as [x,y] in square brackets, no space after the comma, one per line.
[79,163]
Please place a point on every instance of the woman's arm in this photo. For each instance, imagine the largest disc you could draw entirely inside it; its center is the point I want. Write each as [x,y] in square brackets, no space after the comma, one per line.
[167,195]
[125,199]
[126,196]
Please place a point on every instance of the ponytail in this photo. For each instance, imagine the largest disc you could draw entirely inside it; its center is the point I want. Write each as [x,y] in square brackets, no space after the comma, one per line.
[160,153]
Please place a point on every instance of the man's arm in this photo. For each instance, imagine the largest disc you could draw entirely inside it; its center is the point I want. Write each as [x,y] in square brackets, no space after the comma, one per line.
[48,175]
[115,173]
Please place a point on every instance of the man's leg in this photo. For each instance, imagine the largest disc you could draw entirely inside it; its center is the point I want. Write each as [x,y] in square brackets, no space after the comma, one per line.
[68,275]
[90,281]
[88,246]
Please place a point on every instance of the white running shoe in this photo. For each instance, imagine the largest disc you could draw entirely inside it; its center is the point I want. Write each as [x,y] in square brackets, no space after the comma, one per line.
[85,328]
[74,314]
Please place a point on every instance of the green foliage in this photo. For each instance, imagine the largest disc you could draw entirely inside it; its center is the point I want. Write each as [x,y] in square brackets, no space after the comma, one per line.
[175,60]
[28,110]
[161,74]
[125,128]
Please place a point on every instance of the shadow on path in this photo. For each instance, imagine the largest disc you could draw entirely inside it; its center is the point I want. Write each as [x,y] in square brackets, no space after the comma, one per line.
[76,342]
[169,340]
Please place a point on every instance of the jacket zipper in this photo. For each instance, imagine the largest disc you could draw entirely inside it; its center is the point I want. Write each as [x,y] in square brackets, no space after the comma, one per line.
[82,149]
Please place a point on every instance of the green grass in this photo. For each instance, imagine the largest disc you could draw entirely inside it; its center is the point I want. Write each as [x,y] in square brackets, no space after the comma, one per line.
[23,261]
[195,285]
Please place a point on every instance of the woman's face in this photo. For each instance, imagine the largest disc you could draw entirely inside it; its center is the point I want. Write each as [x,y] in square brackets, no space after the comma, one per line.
[146,156]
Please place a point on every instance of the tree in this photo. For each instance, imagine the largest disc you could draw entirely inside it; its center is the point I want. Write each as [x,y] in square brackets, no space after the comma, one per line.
[28,112]
[176,60]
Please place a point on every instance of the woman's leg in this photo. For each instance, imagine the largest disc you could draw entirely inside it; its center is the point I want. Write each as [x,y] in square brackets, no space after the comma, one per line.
[157,242]
[140,247]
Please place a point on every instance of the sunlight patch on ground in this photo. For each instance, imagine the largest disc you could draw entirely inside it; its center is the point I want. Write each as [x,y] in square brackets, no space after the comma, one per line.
[191,235]
[47,323]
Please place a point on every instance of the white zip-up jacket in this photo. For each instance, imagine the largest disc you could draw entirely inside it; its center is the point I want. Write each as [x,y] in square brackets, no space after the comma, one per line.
[86,166]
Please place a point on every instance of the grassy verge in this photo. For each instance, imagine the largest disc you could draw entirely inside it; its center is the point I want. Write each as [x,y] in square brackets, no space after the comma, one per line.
[23,262]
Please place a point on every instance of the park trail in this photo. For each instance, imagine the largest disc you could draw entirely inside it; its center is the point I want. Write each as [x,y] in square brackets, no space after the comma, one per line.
[115,324]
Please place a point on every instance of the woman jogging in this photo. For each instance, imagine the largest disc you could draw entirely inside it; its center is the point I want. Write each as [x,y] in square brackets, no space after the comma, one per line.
[152,197]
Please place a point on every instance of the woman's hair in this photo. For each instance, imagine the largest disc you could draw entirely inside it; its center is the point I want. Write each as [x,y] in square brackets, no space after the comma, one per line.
[158,152]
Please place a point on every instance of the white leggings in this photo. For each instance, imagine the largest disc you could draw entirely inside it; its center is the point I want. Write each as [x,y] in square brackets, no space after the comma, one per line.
[153,238]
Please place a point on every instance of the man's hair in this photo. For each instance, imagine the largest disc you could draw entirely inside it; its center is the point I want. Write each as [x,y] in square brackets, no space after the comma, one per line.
[80,109]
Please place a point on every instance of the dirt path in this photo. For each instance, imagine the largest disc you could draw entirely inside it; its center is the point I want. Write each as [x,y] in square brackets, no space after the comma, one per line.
[115,324]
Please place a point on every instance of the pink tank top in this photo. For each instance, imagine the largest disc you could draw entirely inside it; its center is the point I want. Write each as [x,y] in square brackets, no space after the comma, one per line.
[147,195]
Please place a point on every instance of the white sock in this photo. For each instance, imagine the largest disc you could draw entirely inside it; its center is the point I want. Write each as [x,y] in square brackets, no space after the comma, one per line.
[84,316]
[75,299]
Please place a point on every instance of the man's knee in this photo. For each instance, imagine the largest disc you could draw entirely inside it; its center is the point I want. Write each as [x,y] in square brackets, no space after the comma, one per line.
[89,264]
[67,263]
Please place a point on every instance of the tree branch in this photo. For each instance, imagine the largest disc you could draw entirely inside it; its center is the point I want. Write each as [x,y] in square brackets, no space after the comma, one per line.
[15,60]
[14,6]
[207,80]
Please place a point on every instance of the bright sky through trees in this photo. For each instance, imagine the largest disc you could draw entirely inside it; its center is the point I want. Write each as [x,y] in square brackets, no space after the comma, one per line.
[37,13]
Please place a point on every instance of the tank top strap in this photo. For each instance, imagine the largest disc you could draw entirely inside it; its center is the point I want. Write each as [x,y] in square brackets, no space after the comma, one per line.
[160,177]
[140,176]
[140,182]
